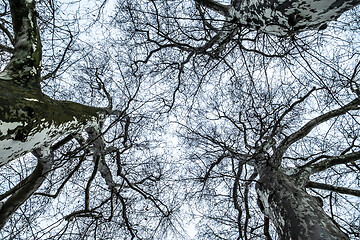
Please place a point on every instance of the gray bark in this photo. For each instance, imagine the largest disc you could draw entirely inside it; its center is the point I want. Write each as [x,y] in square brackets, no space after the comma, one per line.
[282,17]
[31,121]
[295,213]
[26,188]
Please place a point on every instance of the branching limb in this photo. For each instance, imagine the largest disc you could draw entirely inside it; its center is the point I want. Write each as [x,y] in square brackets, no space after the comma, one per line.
[354,85]
[158,204]
[83,213]
[7,33]
[125,217]
[235,197]
[333,188]
[62,60]
[246,201]
[306,129]
[21,184]
[332,161]
[27,187]
[292,106]
[88,185]
[267,228]
[68,177]
[212,165]
[6,48]
[102,87]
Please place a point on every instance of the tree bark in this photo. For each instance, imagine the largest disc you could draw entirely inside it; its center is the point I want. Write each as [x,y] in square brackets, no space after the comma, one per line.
[29,119]
[295,213]
[26,188]
[282,17]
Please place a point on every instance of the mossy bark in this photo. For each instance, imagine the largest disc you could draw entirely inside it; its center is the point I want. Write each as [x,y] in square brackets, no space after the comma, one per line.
[31,120]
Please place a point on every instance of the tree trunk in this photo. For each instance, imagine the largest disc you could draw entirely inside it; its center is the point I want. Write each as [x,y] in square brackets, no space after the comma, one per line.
[29,119]
[282,17]
[295,213]
[290,16]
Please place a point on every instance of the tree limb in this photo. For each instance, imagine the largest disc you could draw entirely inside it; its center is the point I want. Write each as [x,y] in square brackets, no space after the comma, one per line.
[25,64]
[28,186]
[306,129]
[332,161]
[333,188]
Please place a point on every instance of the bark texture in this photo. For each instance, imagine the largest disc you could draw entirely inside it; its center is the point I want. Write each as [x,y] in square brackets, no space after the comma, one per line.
[282,17]
[25,188]
[30,119]
[295,213]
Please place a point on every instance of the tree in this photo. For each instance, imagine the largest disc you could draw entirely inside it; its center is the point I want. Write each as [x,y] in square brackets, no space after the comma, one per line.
[83,169]
[281,18]
[263,93]
[256,82]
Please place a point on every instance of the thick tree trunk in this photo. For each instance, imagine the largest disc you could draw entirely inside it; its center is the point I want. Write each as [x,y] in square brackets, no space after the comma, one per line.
[29,119]
[295,213]
[282,17]
[289,16]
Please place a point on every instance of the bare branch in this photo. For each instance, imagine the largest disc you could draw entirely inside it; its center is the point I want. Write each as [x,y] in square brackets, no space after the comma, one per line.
[212,165]
[292,106]
[26,187]
[215,6]
[332,161]
[68,177]
[235,196]
[6,48]
[8,34]
[306,129]
[333,188]
[62,60]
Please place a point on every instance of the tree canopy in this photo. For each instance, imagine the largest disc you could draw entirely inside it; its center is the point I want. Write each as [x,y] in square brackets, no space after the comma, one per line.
[144,119]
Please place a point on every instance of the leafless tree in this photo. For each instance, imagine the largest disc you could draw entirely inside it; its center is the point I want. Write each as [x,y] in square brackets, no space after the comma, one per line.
[266,94]
[78,164]
[271,95]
